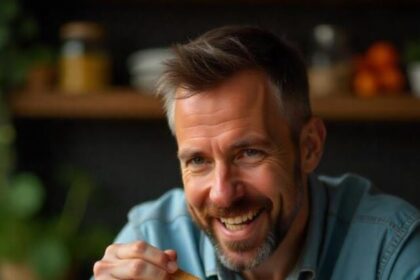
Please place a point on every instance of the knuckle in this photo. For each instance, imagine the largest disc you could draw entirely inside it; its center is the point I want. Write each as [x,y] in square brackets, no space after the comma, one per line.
[137,267]
[162,259]
[140,246]
[110,249]
[98,267]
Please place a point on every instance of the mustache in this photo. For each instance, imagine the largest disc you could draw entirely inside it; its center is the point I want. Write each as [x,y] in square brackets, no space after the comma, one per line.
[238,207]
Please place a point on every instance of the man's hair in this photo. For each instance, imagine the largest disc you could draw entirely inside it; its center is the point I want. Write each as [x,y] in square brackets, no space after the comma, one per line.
[217,55]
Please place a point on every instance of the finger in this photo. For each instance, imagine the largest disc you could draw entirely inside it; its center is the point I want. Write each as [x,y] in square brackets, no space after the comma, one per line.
[111,252]
[137,269]
[147,252]
[102,271]
[171,254]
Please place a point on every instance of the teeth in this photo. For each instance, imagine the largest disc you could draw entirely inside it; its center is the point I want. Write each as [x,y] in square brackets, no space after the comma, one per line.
[234,223]
[234,227]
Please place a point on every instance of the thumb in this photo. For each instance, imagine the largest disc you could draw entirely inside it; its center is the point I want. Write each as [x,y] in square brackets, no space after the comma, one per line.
[172,266]
[171,254]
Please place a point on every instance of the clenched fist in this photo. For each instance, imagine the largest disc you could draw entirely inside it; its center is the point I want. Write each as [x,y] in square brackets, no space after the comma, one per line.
[137,260]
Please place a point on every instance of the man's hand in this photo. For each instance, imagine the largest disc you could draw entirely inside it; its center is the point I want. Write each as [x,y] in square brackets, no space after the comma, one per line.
[137,260]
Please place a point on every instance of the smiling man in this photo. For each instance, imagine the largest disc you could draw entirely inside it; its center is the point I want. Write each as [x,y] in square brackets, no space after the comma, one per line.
[237,102]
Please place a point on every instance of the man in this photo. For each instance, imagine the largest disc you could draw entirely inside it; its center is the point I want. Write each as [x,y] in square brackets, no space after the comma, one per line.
[237,102]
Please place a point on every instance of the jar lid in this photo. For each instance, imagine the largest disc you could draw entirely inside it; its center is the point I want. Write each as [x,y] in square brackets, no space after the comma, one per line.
[82,30]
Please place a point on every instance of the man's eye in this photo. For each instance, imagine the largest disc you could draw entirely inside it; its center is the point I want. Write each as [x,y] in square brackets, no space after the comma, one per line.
[251,156]
[196,161]
[197,164]
[252,153]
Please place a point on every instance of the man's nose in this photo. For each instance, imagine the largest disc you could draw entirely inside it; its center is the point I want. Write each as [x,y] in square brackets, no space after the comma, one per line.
[225,188]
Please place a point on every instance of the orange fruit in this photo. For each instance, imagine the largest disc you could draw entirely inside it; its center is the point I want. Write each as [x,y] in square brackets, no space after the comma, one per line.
[382,55]
[359,63]
[365,84]
[391,80]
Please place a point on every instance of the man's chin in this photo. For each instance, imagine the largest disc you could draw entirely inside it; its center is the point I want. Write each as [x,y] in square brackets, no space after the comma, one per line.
[237,261]
[240,256]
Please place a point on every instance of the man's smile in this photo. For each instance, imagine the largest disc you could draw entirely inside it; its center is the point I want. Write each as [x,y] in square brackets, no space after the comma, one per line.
[239,222]
[247,227]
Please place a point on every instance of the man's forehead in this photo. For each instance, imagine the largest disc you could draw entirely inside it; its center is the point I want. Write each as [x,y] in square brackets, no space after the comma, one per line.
[243,104]
[247,89]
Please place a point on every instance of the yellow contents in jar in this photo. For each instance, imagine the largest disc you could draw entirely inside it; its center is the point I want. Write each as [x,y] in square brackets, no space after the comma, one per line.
[84,63]
[83,73]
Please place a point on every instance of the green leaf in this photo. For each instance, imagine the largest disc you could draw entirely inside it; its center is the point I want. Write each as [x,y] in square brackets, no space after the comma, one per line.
[15,236]
[26,195]
[93,241]
[412,51]
[8,10]
[40,54]
[7,134]
[19,66]
[4,36]
[50,258]
[28,29]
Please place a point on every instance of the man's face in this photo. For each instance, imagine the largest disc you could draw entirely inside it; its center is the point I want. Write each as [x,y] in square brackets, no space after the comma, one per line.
[239,167]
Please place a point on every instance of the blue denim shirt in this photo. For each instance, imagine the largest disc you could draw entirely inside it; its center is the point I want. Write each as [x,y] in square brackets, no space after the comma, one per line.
[354,232]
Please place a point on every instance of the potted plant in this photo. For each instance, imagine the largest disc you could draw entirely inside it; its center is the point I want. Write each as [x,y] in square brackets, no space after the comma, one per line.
[412,59]
[32,245]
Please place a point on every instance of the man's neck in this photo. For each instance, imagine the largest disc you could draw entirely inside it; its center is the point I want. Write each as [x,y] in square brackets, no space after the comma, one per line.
[283,260]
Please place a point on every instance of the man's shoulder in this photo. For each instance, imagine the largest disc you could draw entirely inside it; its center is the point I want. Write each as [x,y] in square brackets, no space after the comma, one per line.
[387,225]
[166,209]
[372,204]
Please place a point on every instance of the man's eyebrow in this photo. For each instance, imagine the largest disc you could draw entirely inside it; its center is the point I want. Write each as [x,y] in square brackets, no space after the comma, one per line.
[188,153]
[251,141]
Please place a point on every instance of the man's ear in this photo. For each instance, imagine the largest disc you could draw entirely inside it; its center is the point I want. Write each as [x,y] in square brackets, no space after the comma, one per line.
[312,139]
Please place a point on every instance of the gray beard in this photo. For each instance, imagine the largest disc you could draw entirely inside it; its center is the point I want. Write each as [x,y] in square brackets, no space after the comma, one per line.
[263,252]
[273,239]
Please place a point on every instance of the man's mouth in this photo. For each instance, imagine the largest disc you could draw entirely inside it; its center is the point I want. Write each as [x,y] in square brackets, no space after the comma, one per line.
[239,222]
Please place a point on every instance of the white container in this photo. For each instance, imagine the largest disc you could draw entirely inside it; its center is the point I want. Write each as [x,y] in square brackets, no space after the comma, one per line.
[146,66]
[413,71]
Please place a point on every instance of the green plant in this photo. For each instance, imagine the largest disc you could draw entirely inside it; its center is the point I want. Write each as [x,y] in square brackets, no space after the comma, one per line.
[412,51]
[18,48]
[48,246]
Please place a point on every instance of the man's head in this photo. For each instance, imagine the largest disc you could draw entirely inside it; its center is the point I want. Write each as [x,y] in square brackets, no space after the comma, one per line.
[220,53]
[237,102]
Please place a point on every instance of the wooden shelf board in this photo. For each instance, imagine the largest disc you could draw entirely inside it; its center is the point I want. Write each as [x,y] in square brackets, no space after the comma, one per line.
[113,104]
[124,103]
[402,108]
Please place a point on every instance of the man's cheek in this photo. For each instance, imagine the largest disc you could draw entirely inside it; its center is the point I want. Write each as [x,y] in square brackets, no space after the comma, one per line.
[199,217]
[196,190]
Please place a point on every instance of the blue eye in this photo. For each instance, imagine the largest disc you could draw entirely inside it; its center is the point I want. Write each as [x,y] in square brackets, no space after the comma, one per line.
[197,164]
[252,152]
[250,156]
[197,161]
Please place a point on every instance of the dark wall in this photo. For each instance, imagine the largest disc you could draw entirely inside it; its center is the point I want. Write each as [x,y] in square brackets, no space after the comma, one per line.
[133,161]
[386,153]
[138,24]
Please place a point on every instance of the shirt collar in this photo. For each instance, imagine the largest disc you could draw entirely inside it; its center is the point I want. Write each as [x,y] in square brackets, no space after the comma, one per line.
[308,261]
[311,248]
[208,255]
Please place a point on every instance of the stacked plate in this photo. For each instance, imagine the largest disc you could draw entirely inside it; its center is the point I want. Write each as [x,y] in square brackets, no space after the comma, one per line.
[146,66]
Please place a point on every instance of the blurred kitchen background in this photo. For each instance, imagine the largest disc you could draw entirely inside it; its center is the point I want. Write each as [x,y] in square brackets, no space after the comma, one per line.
[82,139]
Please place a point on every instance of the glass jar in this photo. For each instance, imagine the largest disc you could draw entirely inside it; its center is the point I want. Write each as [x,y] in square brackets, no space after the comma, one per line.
[330,65]
[84,63]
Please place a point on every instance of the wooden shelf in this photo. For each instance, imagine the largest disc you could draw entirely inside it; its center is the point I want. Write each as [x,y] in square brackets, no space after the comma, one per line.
[348,108]
[124,103]
[117,103]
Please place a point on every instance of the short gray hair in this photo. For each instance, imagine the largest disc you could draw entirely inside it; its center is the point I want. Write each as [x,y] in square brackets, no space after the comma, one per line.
[217,55]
